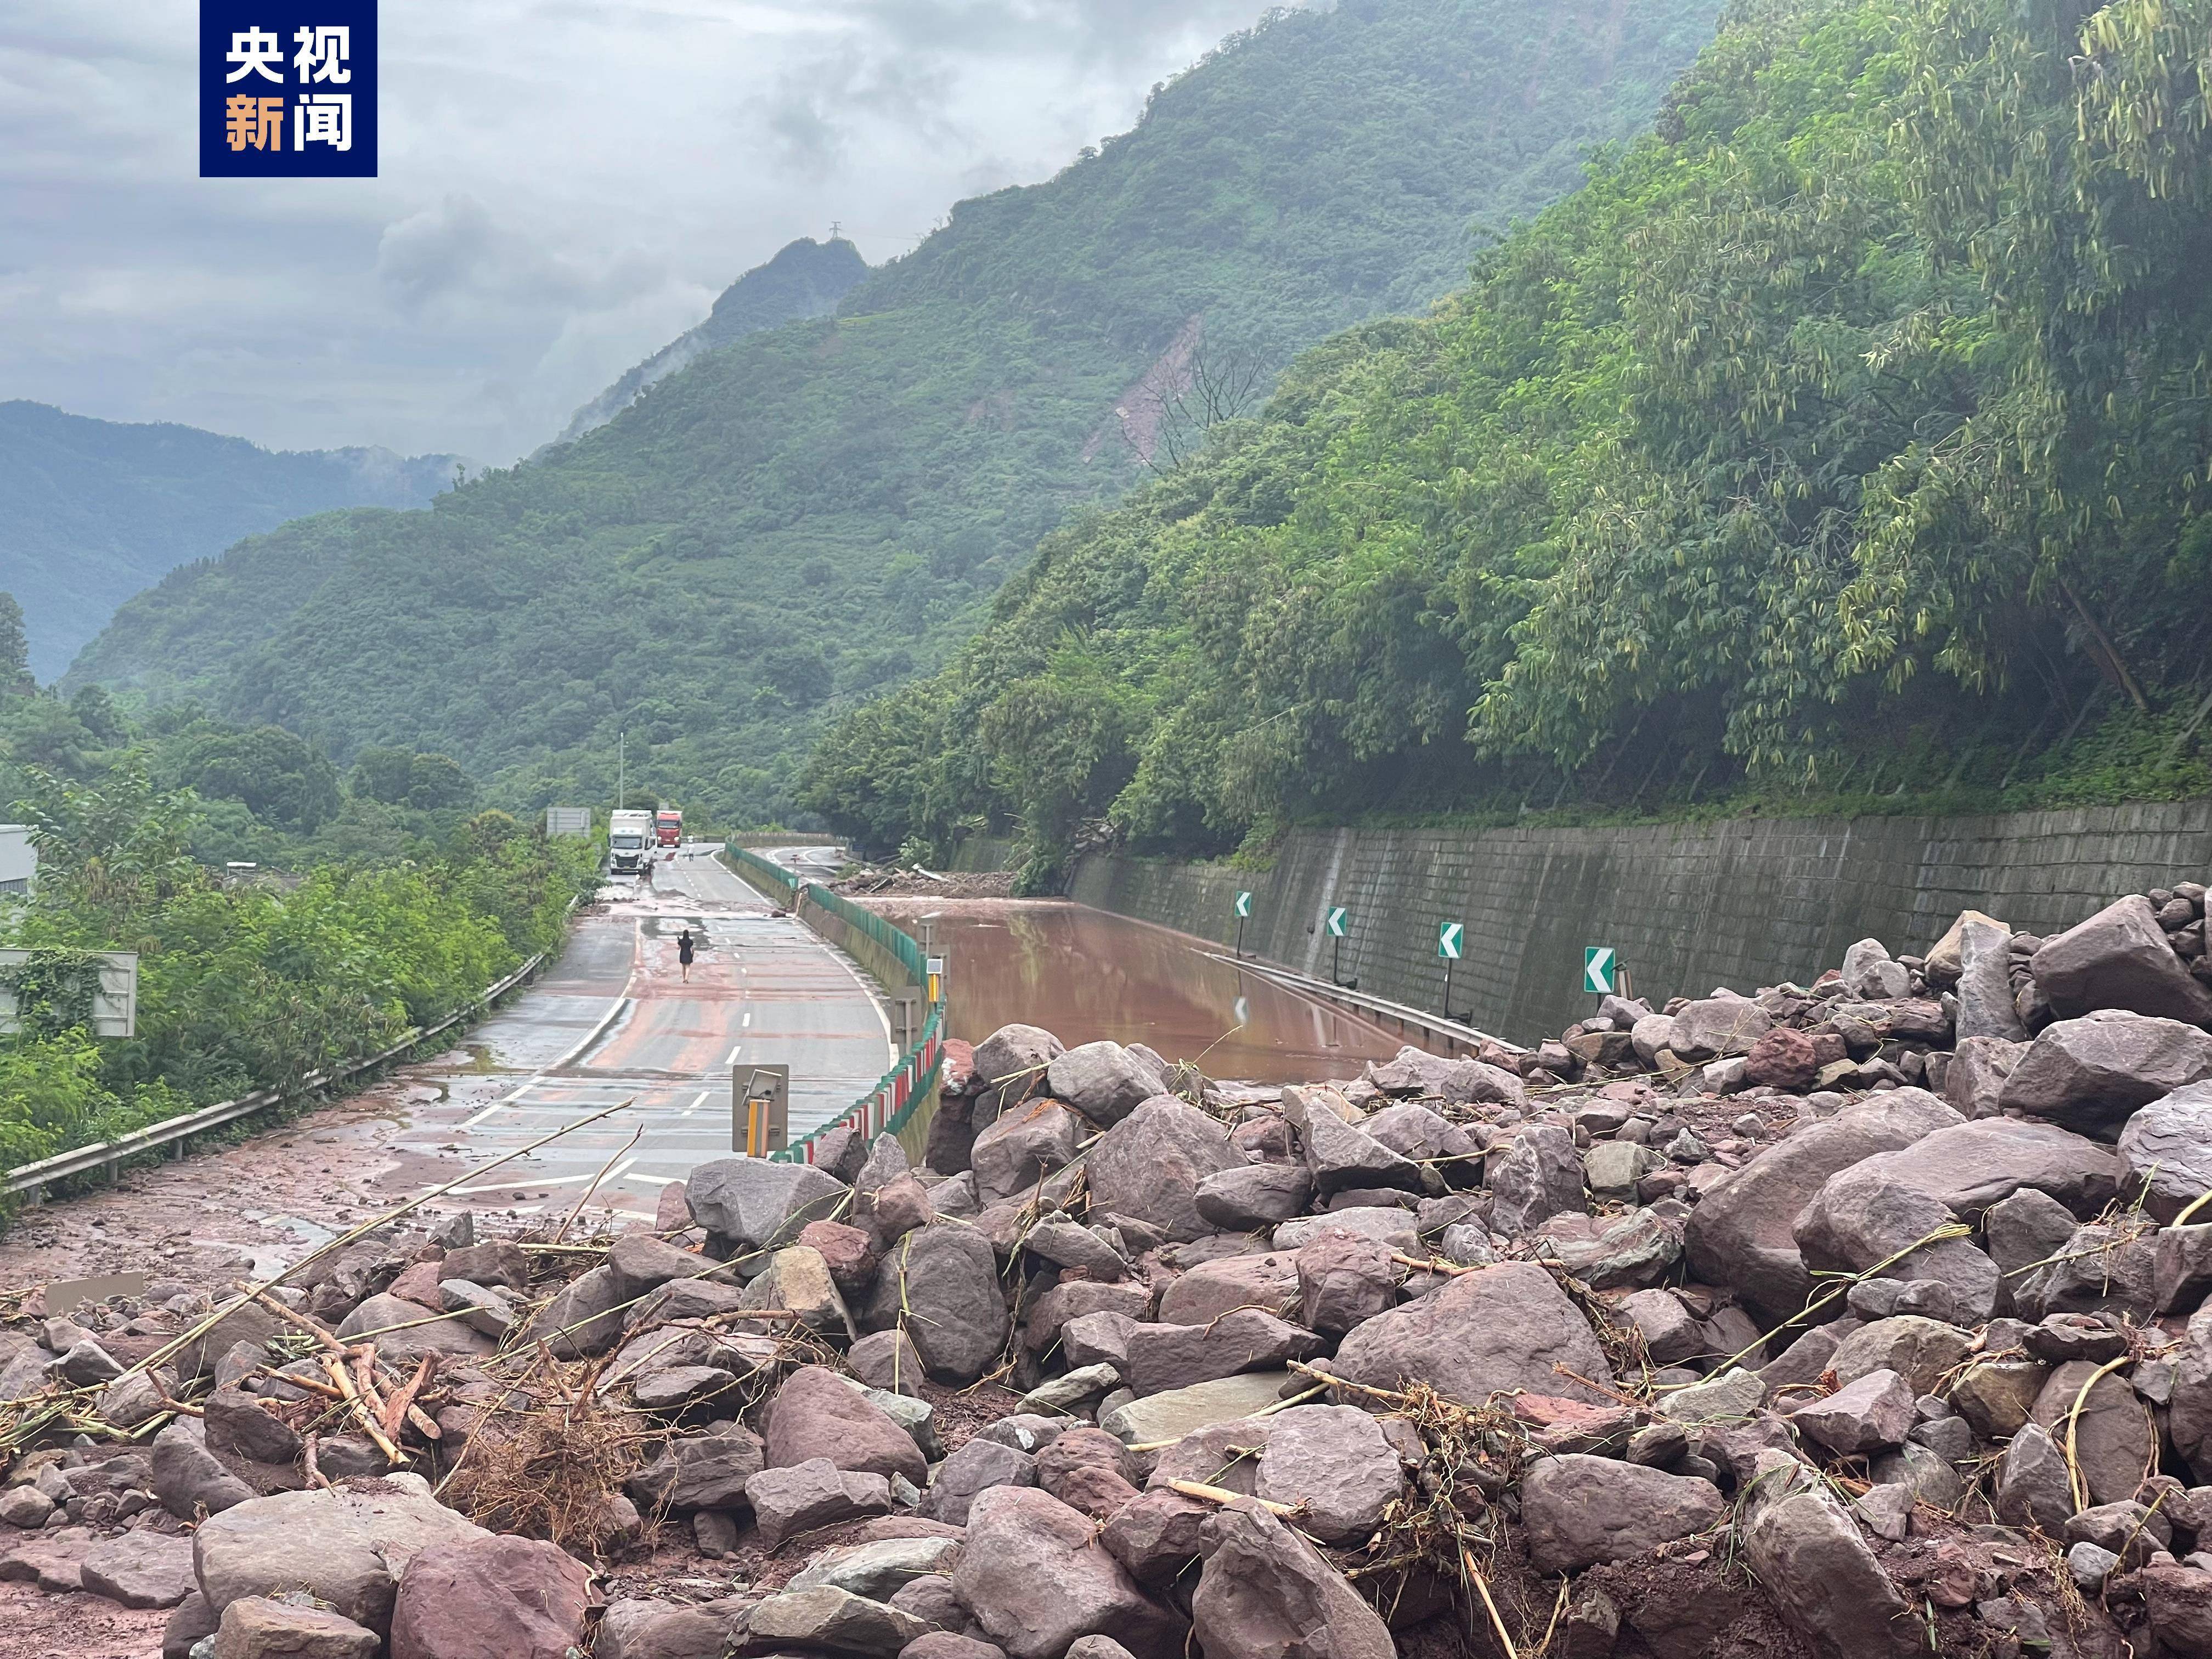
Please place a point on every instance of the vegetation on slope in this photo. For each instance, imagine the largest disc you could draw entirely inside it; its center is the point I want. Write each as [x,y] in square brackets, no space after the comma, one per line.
[1848,434]
[780,530]
[371,914]
[98,510]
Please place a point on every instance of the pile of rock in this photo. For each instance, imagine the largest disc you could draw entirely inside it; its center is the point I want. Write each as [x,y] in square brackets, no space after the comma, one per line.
[1850,1319]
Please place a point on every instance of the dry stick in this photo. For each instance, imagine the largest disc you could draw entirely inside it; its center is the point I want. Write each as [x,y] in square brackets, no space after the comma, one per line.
[355,1235]
[396,1408]
[561,1231]
[2076,1482]
[1223,1495]
[314,1470]
[336,1370]
[1951,1230]
[1482,1585]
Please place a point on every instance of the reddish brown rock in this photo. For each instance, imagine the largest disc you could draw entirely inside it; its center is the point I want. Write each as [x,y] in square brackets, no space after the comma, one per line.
[849,1253]
[491,1598]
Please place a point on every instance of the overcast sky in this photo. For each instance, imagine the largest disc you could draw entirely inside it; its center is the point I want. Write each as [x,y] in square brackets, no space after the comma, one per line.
[565,186]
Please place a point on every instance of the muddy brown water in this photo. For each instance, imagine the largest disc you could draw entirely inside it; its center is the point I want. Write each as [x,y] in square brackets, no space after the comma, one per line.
[1085,974]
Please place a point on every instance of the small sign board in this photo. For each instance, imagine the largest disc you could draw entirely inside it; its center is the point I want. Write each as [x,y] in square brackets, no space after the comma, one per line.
[1337,919]
[1244,904]
[1450,936]
[760,1109]
[568,821]
[1599,969]
[1244,1011]
[114,1003]
[63,1294]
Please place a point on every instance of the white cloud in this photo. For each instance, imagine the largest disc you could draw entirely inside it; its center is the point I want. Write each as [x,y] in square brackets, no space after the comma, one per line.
[565,184]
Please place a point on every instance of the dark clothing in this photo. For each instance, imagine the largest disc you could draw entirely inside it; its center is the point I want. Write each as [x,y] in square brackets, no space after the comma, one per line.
[685,946]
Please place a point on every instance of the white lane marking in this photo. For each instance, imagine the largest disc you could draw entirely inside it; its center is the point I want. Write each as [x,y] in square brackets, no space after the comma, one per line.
[734,1053]
[556,1180]
[635,1179]
[747,1021]
[697,1101]
[590,1037]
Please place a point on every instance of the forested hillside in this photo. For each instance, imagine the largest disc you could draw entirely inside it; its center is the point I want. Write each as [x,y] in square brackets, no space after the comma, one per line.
[779,531]
[97,510]
[1847,435]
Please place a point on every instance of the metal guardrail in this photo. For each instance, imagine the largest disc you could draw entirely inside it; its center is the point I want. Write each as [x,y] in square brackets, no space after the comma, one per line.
[1407,1018]
[30,1177]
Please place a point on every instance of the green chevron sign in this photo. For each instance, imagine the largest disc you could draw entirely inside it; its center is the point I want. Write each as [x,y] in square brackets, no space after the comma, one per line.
[1244,904]
[1600,969]
[1449,936]
[1336,922]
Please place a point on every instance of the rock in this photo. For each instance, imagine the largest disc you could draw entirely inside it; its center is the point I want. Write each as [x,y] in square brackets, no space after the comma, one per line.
[880,1570]
[1070,1244]
[1487,1332]
[1164,1357]
[190,1623]
[944,1644]
[1871,1414]
[1035,1575]
[1103,1081]
[2113,1439]
[1861,1218]
[491,1598]
[1997,1396]
[1467,1244]
[1011,1065]
[2119,959]
[1169,1416]
[816,1414]
[140,1569]
[247,1322]
[1254,1195]
[1343,1280]
[449,1339]
[827,1617]
[1016,1154]
[2177,1601]
[189,1480]
[663,1629]
[1825,1582]
[1741,1234]
[940,1284]
[236,1423]
[1413,1131]
[1073,1298]
[699,1472]
[1083,1469]
[1149,1165]
[751,1202]
[494,1262]
[887,1360]
[642,1262]
[2167,1147]
[1265,1593]
[1541,1176]
[1731,1397]
[349,1547]
[1156,1534]
[1671,1335]
[1987,1007]
[1608,1252]
[25,1506]
[1334,1461]
[1973,1167]
[787,1501]
[2098,1267]
[1342,1156]
[487,1311]
[1719,1026]
[135,1398]
[1612,1168]
[584,1318]
[1974,1083]
[977,1468]
[1870,975]
[2191,1419]
[1389,1224]
[1919,1350]
[1782,1058]
[2089,1073]
[290,1627]
[1578,1510]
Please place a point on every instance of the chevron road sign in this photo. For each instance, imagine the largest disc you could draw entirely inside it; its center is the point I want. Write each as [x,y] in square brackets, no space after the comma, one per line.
[1335,921]
[1449,936]
[1599,969]
[1243,904]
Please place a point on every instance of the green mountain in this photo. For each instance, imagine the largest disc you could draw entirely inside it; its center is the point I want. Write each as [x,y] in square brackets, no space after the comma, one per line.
[806,279]
[97,510]
[1845,436]
[780,529]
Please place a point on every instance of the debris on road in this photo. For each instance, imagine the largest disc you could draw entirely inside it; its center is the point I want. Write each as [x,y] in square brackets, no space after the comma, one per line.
[1861,1318]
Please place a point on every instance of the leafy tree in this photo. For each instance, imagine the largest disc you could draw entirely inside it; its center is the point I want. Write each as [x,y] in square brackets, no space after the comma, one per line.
[281,778]
[15,648]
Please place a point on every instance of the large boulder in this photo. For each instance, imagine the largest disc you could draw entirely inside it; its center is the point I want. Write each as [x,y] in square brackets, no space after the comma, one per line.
[1333,1462]
[1164,1357]
[143,1569]
[491,1598]
[290,1627]
[1861,1219]
[2111,1435]
[1036,1576]
[1021,1147]
[1971,1167]
[1539,1178]
[1213,1288]
[1148,1166]
[1578,1510]
[2119,958]
[347,1546]
[1103,1081]
[1974,1081]
[378,1316]
[1485,1333]
[2092,1072]
[1342,1155]
[189,1479]
[1870,975]
[940,1284]
[1459,1082]
[1265,1593]
[1010,1064]
[816,1414]
[1741,1234]
[2168,1147]
[816,1493]
[747,1202]
[1717,1026]
[1254,1195]
[583,1318]
[1808,1554]
[1987,1006]
[827,1619]
[699,1472]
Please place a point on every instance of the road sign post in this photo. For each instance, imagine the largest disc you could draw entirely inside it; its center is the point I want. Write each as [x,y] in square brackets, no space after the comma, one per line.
[1450,936]
[759,1107]
[1336,922]
[1599,969]
[1243,909]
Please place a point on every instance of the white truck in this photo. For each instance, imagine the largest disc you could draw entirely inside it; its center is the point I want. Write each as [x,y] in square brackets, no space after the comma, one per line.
[629,842]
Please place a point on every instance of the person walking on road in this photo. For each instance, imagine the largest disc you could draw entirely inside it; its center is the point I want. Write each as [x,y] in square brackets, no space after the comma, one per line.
[685,946]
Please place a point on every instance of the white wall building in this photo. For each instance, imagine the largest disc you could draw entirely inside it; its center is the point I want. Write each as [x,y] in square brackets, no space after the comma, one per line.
[19,860]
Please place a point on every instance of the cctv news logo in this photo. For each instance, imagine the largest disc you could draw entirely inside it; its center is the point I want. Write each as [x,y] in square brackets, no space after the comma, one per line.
[288,89]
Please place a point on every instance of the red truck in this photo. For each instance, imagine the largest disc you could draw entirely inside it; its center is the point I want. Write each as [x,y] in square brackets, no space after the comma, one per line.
[668,827]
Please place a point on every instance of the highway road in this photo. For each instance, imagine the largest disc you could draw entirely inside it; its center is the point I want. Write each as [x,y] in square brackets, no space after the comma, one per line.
[614,1019]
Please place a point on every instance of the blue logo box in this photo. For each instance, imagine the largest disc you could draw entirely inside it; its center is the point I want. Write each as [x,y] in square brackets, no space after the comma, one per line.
[288,89]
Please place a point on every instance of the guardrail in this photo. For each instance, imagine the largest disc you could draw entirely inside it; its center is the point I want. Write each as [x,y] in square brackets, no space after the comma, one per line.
[904,1098]
[1406,1018]
[31,1177]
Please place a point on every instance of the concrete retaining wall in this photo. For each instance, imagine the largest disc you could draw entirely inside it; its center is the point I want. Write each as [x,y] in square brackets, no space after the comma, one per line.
[1687,906]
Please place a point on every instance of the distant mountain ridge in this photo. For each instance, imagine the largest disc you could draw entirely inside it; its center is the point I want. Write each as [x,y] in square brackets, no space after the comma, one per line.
[806,279]
[100,510]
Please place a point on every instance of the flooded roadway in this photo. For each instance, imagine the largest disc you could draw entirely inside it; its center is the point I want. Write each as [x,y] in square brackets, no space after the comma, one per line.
[1084,974]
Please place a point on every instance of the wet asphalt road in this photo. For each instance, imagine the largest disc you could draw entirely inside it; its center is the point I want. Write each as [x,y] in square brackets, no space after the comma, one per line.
[615,1020]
